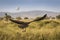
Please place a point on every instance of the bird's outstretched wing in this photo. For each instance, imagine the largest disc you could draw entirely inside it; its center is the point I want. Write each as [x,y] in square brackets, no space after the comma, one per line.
[21,22]
[40,18]
[16,21]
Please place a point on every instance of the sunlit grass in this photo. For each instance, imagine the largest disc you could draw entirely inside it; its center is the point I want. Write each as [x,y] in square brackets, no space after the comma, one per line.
[40,30]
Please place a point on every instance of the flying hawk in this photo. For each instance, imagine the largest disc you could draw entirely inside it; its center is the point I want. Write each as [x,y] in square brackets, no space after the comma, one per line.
[24,25]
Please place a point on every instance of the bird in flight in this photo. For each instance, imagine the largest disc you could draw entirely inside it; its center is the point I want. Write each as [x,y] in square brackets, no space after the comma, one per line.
[24,25]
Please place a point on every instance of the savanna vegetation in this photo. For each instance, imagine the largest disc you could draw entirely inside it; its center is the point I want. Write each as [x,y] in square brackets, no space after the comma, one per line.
[40,30]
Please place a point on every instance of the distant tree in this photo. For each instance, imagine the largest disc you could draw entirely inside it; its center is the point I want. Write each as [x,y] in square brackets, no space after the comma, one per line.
[1,18]
[26,18]
[58,16]
[18,18]
[7,17]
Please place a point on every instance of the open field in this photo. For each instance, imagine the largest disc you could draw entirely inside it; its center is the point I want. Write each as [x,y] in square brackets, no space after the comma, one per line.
[40,30]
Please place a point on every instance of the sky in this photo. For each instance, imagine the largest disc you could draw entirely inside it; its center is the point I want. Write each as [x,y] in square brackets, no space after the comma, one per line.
[29,5]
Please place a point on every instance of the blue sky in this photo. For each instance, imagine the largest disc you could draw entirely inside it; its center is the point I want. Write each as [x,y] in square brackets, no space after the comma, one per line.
[29,5]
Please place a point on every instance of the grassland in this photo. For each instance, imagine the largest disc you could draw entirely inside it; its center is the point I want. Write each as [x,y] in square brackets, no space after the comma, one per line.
[40,30]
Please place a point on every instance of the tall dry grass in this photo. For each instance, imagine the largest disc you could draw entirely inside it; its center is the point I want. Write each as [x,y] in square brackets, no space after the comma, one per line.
[40,30]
